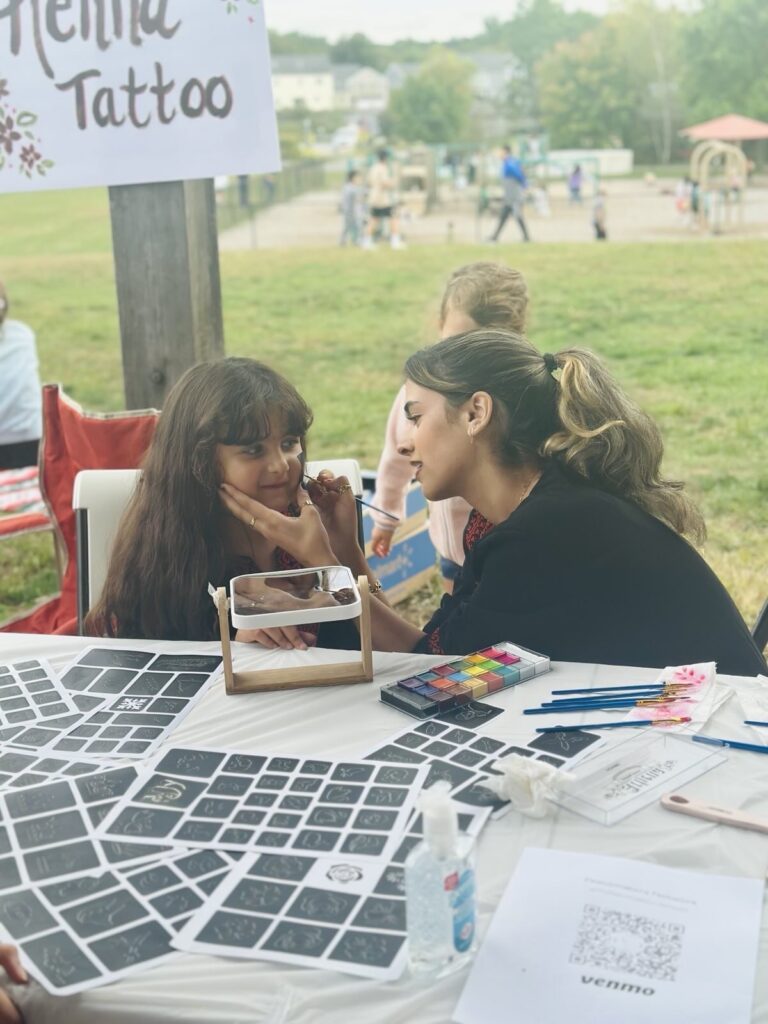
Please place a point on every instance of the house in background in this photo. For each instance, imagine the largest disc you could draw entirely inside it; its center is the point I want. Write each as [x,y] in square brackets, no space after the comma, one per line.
[314,83]
[303,82]
[360,89]
[496,77]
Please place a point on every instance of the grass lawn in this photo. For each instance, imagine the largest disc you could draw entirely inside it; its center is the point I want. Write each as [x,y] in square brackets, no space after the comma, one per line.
[683,327]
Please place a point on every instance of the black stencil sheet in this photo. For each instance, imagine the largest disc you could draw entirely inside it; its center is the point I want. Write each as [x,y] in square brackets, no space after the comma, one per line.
[236,800]
[326,913]
[466,758]
[127,699]
[22,768]
[47,831]
[31,694]
[84,932]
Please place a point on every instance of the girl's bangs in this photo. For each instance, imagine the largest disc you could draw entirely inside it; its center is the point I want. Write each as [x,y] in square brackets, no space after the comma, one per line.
[251,425]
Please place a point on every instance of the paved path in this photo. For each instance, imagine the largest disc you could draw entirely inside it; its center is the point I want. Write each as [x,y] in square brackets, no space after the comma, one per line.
[636,213]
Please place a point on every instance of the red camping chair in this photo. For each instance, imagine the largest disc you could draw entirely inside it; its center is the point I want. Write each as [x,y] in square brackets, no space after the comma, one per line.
[21,508]
[73,440]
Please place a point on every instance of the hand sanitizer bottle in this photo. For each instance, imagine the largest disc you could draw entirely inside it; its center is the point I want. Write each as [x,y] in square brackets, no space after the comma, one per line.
[440,889]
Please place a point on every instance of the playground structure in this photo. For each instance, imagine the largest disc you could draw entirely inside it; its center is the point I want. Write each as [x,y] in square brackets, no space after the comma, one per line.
[720,169]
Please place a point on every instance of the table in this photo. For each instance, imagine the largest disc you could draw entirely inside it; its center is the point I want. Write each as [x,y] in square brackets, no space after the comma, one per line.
[346,721]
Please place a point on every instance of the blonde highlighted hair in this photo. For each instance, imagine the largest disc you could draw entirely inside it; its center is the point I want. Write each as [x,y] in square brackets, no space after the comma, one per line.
[583,419]
[492,294]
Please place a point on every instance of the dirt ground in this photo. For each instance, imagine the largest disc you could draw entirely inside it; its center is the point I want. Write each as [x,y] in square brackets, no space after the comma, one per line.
[636,212]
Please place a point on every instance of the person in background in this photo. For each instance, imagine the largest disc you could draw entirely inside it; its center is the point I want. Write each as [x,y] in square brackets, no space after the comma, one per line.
[21,404]
[575,181]
[477,295]
[381,202]
[514,184]
[599,220]
[351,209]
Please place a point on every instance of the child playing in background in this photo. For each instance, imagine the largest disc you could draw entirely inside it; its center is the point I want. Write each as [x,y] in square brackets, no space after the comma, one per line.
[352,205]
[599,216]
[480,294]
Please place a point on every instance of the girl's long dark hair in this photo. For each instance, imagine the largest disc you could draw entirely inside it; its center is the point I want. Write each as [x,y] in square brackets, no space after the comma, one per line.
[169,543]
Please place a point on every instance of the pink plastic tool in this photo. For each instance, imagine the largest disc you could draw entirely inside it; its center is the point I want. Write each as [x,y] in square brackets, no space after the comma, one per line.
[722,815]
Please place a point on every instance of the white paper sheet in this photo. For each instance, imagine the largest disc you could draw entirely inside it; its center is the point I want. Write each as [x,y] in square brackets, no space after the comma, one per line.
[587,938]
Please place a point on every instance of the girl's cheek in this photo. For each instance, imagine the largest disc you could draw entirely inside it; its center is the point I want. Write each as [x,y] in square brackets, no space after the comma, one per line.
[296,466]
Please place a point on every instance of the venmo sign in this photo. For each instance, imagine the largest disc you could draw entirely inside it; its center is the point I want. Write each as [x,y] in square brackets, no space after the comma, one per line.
[111,92]
[619,986]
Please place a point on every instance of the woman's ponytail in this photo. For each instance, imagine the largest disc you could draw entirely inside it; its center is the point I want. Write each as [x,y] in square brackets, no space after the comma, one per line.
[605,438]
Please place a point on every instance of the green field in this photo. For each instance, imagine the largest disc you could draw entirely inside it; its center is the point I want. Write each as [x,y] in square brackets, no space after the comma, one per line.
[683,326]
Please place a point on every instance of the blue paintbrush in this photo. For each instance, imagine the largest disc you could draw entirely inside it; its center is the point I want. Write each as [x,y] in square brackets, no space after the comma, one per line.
[735,744]
[614,725]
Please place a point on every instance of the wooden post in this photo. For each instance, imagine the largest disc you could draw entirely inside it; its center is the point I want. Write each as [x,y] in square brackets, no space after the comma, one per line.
[168,285]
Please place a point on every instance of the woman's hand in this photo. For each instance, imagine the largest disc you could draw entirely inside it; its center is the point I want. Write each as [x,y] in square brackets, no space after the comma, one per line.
[334,498]
[303,537]
[9,960]
[381,541]
[287,637]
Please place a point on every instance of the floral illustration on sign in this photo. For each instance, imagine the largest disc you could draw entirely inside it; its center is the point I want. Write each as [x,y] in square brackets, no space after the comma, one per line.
[235,6]
[17,139]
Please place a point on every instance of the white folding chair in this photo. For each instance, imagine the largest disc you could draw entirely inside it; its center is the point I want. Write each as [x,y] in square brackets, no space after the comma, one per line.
[99,500]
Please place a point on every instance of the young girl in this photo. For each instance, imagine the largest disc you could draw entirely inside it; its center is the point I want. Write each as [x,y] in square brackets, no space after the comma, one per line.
[477,295]
[233,421]
[576,543]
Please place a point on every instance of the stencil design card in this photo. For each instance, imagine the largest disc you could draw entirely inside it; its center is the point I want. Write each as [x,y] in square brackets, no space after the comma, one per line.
[325,913]
[47,831]
[84,932]
[227,799]
[30,692]
[19,769]
[465,758]
[140,696]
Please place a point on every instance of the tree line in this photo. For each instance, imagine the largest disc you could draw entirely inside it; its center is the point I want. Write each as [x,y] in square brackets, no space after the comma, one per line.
[631,78]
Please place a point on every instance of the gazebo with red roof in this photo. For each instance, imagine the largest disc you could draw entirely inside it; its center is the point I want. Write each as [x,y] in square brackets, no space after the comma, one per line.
[728,128]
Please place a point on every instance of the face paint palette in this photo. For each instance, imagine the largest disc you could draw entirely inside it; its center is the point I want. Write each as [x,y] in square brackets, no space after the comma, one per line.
[471,677]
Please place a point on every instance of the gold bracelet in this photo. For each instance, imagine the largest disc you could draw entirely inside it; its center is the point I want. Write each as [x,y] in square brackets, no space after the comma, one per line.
[375,587]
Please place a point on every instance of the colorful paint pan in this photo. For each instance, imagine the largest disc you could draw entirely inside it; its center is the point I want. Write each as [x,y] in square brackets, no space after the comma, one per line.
[471,677]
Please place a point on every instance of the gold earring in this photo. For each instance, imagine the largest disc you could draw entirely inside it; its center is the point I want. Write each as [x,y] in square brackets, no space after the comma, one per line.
[471,436]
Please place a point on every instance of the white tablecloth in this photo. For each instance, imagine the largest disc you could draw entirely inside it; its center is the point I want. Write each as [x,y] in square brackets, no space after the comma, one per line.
[347,721]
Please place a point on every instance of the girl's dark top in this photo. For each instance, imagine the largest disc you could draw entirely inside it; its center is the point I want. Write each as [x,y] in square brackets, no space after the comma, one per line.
[582,575]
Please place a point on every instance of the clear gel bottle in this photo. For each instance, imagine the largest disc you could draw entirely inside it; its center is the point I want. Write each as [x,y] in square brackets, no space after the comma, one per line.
[440,889]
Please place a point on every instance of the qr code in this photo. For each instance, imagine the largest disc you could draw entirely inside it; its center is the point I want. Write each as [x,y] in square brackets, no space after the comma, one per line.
[628,942]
